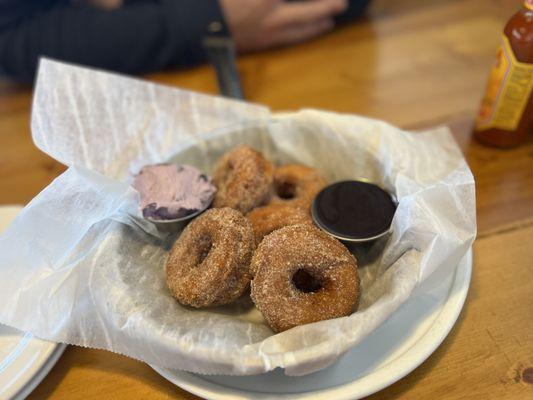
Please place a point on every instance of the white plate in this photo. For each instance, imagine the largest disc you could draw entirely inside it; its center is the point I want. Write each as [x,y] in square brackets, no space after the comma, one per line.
[24,359]
[392,351]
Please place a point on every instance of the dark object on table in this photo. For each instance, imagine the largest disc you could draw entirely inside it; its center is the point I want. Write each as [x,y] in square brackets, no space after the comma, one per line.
[220,50]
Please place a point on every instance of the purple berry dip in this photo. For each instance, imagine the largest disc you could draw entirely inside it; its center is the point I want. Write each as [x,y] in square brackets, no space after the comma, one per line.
[170,191]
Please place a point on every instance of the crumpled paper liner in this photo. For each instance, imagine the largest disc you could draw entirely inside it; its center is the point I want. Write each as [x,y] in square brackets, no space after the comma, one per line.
[79,266]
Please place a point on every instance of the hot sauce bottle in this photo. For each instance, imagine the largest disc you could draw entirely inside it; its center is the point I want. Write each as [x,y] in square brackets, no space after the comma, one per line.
[506,114]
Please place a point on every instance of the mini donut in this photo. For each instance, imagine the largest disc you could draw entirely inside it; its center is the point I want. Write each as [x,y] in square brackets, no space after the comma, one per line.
[268,218]
[297,185]
[303,275]
[243,178]
[209,263]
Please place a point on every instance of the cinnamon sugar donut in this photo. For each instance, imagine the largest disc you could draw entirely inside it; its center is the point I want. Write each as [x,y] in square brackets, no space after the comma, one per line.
[209,263]
[303,276]
[297,185]
[269,218]
[243,178]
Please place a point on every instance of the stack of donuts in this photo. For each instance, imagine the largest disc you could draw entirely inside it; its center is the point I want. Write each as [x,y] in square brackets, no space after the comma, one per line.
[259,234]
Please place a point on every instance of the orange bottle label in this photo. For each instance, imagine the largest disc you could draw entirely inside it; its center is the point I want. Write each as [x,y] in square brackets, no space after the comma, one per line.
[508,90]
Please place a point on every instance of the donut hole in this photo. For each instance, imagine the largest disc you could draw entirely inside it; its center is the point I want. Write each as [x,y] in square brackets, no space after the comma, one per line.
[306,282]
[286,190]
[205,244]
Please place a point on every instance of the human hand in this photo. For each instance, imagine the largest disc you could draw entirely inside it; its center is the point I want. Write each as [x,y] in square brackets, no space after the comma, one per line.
[260,24]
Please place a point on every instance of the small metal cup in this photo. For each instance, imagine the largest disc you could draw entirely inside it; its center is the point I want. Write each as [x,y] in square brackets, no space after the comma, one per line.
[365,249]
[173,225]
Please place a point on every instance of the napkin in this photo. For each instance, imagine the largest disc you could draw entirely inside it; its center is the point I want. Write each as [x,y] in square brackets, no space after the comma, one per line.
[79,265]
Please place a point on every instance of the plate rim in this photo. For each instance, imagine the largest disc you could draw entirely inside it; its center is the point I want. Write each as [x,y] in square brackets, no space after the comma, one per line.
[418,353]
[42,371]
[50,351]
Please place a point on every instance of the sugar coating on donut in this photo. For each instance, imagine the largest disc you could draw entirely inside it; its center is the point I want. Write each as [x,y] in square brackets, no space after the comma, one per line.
[326,274]
[209,263]
[243,178]
[269,218]
[297,185]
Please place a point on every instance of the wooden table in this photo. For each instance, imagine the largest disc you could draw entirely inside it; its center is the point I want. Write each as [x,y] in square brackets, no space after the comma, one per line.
[411,63]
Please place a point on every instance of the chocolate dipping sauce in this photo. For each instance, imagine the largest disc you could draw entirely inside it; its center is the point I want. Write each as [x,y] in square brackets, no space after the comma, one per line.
[354,210]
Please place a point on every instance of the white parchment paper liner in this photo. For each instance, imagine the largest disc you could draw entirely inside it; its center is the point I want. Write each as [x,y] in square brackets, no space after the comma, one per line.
[75,267]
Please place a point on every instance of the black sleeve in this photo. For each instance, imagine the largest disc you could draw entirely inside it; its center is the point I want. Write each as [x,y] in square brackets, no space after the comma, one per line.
[137,38]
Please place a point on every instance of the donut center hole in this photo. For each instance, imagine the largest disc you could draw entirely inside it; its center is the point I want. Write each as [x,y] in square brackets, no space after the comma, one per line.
[306,282]
[286,190]
[204,247]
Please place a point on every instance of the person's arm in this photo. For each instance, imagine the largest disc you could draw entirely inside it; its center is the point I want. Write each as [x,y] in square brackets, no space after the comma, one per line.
[137,38]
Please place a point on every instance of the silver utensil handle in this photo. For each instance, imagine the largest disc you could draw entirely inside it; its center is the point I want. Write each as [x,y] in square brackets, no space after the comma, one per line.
[221,53]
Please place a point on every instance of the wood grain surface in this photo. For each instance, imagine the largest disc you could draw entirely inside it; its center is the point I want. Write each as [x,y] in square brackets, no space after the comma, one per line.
[415,64]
